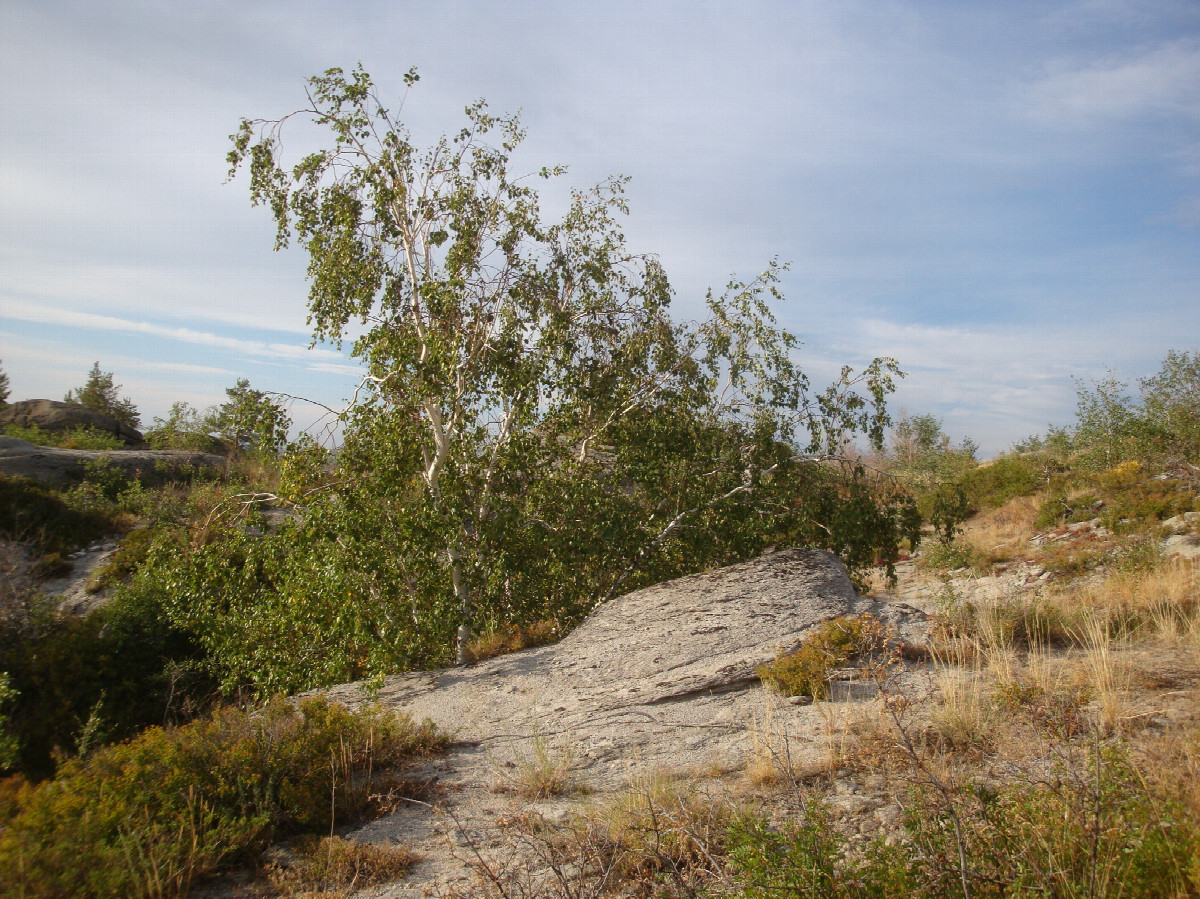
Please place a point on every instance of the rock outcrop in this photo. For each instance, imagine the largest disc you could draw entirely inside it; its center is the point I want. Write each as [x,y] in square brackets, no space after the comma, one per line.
[20,458]
[660,679]
[59,418]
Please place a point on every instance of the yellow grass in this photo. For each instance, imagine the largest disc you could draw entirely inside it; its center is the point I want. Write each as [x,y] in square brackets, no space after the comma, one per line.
[964,717]
[1109,678]
[1004,533]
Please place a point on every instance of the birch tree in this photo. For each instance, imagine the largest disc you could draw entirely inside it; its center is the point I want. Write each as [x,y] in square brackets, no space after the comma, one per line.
[532,419]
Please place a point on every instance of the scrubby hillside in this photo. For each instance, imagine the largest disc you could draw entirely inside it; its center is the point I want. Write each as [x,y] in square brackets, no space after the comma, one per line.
[1013,709]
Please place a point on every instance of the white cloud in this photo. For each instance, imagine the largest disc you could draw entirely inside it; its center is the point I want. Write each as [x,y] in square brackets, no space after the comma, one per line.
[249,348]
[354,371]
[1163,80]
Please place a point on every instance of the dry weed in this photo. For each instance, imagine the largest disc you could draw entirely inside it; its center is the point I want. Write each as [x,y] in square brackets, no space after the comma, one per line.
[769,759]
[333,867]
[964,718]
[772,759]
[539,771]
[1003,534]
[1109,678]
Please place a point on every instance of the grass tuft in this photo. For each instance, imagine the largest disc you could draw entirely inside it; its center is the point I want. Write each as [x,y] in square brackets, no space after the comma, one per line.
[806,671]
[539,772]
[332,867]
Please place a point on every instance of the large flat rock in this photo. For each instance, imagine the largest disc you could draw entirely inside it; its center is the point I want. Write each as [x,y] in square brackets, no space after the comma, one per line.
[20,458]
[657,654]
[658,680]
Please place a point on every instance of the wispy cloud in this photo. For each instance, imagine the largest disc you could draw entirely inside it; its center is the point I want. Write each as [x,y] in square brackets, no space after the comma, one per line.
[355,371]
[1161,80]
[251,348]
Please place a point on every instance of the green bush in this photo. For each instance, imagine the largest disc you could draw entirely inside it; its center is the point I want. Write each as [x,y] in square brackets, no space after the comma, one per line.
[1124,497]
[950,555]
[8,741]
[808,858]
[150,816]
[129,556]
[805,672]
[36,513]
[120,668]
[76,438]
[1090,831]
[1061,509]
[991,486]
[946,507]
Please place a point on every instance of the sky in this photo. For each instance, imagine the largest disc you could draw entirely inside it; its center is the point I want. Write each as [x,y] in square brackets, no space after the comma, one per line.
[1004,197]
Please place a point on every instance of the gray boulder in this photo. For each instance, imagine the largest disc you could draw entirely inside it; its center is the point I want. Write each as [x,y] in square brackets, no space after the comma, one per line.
[58,418]
[678,655]
[657,683]
[20,458]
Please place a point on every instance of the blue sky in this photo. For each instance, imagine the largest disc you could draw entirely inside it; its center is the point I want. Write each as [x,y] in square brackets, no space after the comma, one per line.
[1003,196]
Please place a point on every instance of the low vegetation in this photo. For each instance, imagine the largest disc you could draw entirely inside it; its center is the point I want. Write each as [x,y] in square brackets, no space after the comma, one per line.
[75,438]
[1051,749]
[333,868]
[540,772]
[806,671]
[149,816]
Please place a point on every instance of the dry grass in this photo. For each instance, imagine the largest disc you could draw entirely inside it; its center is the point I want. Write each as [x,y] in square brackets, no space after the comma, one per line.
[769,760]
[538,770]
[965,717]
[332,868]
[659,826]
[660,839]
[1003,534]
[1163,601]
[1109,679]
[1042,669]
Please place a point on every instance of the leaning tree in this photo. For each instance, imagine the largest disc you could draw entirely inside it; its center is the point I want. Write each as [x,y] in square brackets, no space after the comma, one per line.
[534,431]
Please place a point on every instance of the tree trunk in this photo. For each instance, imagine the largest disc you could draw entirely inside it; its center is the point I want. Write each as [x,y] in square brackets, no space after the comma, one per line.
[463,636]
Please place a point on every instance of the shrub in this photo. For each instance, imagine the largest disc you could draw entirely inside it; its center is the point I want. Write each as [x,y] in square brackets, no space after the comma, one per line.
[991,486]
[513,638]
[8,742]
[131,553]
[36,513]
[76,438]
[805,672]
[951,555]
[150,816]
[1145,501]
[121,668]
[1092,830]
[182,429]
[1097,830]
[807,858]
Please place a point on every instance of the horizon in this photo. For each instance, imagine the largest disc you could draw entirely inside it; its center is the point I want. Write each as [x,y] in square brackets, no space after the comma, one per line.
[1006,199]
